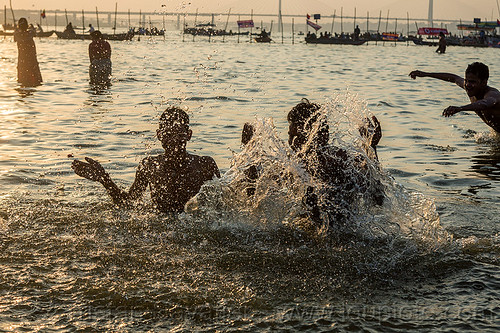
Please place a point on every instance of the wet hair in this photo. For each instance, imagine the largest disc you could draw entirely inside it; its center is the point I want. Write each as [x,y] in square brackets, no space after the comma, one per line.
[479,69]
[22,23]
[174,115]
[96,34]
[304,112]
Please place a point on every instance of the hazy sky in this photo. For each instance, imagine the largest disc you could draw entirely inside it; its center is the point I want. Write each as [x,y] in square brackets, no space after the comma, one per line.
[445,9]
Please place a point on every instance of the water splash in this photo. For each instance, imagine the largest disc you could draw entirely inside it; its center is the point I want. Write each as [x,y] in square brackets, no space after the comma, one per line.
[275,196]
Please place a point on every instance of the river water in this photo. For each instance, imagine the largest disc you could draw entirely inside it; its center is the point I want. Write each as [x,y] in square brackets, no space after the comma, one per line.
[427,260]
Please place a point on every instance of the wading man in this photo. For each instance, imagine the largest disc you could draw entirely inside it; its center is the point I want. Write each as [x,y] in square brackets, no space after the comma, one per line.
[173,177]
[100,60]
[485,100]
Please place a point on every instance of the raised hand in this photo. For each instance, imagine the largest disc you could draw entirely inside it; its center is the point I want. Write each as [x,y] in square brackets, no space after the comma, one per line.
[92,170]
[415,74]
[451,110]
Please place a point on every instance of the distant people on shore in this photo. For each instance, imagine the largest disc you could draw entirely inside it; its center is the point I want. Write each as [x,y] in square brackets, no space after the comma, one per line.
[100,60]
[91,28]
[28,70]
[485,100]
[441,44]
[173,177]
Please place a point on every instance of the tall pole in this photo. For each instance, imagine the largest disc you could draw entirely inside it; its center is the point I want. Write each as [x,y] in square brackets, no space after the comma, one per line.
[407,28]
[280,22]
[66,14]
[341,20]
[396,30]
[184,28]
[333,21]
[12,11]
[282,38]
[430,15]
[386,24]
[116,10]
[129,25]
[378,27]
[227,22]
[367,22]
[251,28]
[97,17]
[83,22]
[293,31]
[354,18]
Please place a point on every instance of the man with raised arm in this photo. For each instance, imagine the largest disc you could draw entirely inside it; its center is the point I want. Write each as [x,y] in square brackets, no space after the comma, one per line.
[485,100]
[173,177]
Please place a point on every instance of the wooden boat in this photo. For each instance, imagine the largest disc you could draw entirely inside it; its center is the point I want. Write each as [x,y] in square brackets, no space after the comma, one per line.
[122,36]
[263,39]
[333,40]
[37,34]
[44,33]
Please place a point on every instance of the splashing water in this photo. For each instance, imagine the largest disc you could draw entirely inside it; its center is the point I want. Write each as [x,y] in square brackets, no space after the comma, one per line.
[405,223]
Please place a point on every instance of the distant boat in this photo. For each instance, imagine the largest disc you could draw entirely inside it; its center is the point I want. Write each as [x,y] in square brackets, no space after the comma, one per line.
[122,36]
[486,26]
[44,33]
[209,29]
[263,37]
[312,39]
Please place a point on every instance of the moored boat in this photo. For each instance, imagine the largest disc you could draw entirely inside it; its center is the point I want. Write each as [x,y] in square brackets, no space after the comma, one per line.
[312,39]
[68,35]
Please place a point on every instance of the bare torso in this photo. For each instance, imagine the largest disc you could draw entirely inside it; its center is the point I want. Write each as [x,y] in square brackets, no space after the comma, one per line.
[173,185]
[490,116]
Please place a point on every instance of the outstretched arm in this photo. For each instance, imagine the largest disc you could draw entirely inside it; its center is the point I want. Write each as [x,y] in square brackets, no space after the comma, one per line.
[490,101]
[93,170]
[448,77]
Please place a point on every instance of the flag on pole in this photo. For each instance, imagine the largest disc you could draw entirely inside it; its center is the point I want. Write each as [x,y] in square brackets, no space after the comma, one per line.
[313,25]
[245,24]
[42,14]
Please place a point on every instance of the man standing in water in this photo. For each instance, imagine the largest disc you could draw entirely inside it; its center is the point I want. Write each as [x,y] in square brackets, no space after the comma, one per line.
[173,177]
[28,71]
[485,100]
[100,60]
[442,43]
